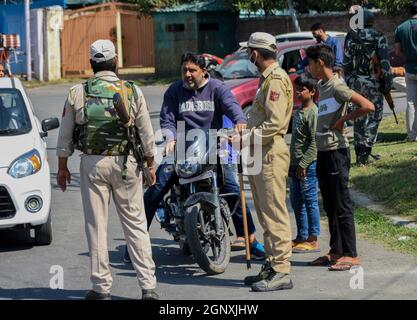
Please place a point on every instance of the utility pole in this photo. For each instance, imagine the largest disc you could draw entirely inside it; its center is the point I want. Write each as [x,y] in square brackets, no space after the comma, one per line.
[293,16]
[28,42]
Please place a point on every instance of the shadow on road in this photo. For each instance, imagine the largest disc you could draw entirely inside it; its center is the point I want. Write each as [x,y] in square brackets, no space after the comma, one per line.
[15,240]
[172,266]
[46,294]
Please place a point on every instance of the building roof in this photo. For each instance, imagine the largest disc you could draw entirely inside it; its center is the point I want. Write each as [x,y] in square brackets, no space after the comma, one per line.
[199,6]
[83,3]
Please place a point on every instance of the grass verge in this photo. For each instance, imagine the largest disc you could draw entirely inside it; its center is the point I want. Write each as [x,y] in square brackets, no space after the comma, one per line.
[155,81]
[377,228]
[393,179]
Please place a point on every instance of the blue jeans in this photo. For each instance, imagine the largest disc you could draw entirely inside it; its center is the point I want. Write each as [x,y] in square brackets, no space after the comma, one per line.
[304,201]
[166,178]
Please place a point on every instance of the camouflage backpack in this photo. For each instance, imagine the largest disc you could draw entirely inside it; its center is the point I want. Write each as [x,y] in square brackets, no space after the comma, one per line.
[103,133]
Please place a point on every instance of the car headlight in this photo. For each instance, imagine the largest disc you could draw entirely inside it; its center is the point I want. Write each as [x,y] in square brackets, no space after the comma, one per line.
[187,169]
[26,165]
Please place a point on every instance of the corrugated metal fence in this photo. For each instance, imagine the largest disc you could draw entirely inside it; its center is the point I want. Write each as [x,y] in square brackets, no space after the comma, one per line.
[12,20]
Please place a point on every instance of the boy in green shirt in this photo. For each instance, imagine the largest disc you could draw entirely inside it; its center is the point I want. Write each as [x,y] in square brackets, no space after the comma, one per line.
[303,177]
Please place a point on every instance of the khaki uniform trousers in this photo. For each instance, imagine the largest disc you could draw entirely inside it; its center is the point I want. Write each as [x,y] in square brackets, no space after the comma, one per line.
[269,195]
[101,176]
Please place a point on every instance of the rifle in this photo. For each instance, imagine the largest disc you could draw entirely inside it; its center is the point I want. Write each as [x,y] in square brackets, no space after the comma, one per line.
[133,138]
[385,92]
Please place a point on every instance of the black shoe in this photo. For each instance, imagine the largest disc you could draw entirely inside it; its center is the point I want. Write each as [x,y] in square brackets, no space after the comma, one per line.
[93,295]
[274,281]
[376,157]
[263,274]
[149,294]
[361,155]
[126,256]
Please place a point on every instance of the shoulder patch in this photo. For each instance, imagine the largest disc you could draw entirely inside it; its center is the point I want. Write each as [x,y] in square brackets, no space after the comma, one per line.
[274,95]
[73,91]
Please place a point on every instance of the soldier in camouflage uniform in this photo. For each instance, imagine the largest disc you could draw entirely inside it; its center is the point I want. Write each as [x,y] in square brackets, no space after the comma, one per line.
[362,47]
[108,167]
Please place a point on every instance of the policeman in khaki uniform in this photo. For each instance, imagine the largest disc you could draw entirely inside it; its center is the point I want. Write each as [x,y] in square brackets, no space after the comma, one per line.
[269,118]
[108,168]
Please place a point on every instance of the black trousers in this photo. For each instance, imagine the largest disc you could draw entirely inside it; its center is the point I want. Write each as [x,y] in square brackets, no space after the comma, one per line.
[333,175]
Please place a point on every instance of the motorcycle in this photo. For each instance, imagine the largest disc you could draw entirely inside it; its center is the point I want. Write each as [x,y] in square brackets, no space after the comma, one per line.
[195,213]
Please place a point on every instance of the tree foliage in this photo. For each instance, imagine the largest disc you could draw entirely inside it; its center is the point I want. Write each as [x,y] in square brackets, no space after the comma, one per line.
[304,6]
[301,6]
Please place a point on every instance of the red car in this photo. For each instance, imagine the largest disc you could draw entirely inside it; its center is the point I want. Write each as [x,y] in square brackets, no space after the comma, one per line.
[242,76]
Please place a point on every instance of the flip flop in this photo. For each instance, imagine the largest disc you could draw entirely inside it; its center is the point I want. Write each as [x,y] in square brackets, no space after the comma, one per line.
[238,245]
[305,247]
[344,264]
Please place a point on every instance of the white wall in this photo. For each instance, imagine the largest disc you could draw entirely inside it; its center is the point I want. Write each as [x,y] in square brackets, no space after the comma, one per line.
[36,22]
[53,24]
[46,26]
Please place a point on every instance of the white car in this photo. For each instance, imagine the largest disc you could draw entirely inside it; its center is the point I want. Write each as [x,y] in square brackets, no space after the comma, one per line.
[305,35]
[25,188]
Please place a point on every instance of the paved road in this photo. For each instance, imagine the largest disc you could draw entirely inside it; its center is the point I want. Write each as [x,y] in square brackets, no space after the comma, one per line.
[25,271]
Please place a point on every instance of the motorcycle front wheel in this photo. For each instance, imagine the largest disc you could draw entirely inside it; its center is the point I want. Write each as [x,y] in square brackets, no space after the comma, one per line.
[211,254]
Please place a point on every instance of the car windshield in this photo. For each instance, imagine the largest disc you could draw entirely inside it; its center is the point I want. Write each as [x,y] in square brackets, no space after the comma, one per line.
[238,66]
[14,118]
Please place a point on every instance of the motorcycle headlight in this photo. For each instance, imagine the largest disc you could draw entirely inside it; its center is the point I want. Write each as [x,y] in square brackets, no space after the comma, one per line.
[187,169]
[26,165]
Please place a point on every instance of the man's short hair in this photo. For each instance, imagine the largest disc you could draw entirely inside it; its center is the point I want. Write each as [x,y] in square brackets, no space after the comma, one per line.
[266,54]
[194,58]
[305,80]
[413,8]
[322,52]
[109,65]
[317,26]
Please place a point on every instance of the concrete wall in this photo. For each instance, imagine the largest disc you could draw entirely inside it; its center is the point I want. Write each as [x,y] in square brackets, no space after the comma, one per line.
[169,46]
[334,22]
[36,35]
[218,42]
[53,24]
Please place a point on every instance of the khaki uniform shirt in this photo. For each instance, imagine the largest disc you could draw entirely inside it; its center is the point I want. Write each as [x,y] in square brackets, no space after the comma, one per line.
[74,113]
[272,107]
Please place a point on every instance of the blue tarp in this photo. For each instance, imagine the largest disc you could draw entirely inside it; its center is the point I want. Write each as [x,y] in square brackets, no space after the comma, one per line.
[12,20]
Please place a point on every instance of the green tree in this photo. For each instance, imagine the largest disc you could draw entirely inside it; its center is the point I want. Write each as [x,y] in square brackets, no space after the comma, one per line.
[269,6]
[147,6]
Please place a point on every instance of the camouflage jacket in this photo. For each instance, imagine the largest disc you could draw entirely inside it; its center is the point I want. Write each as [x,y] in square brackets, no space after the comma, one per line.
[358,57]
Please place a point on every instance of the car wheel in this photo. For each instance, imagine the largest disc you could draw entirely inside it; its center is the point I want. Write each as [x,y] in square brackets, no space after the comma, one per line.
[43,233]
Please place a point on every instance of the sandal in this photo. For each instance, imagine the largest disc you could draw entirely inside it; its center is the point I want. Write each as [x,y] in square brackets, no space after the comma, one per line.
[306,247]
[238,245]
[345,264]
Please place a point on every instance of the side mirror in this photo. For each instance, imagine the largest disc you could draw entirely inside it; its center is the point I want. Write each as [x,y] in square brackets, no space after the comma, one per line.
[48,125]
